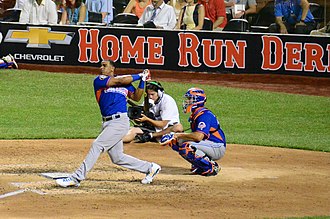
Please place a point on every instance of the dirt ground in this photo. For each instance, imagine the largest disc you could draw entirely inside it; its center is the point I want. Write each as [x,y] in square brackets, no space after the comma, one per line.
[255,181]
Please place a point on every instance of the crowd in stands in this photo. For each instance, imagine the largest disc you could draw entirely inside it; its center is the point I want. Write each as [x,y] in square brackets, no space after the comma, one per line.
[288,16]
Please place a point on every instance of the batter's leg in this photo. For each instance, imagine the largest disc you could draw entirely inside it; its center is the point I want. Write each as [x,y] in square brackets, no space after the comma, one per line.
[112,133]
[90,160]
[118,157]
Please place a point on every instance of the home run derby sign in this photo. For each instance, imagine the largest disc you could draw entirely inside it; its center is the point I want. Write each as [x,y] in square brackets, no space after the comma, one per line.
[140,48]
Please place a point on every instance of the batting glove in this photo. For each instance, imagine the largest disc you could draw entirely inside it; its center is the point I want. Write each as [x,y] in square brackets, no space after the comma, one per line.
[145,75]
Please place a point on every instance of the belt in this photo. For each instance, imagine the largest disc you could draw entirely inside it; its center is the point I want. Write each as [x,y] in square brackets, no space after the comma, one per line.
[108,118]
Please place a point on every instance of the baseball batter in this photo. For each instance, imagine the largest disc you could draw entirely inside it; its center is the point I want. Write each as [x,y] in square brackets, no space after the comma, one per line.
[8,62]
[111,92]
[206,142]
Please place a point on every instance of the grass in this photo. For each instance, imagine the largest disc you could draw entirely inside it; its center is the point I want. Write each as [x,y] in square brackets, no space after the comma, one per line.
[45,105]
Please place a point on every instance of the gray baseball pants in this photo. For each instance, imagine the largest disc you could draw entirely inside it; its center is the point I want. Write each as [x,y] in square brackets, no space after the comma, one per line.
[110,140]
[213,150]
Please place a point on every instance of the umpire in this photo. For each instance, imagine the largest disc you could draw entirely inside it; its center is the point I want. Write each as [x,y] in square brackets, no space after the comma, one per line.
[165,117]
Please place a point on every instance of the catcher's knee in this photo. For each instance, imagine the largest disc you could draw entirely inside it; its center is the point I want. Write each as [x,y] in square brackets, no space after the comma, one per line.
[187,151]
[202,164]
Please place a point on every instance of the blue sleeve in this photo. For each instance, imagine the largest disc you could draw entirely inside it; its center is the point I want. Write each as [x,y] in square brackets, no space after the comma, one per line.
[101,82]
[130,88]
[278,10]
[106,6]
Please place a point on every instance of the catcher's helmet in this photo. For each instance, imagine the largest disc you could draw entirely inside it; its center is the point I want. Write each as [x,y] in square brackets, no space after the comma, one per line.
[193,98]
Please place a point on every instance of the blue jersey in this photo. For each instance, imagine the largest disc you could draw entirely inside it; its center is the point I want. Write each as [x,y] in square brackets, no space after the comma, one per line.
[291,11]
[111,100]
[204,121]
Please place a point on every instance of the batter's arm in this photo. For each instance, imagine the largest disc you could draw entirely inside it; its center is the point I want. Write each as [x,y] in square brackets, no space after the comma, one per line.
[136,96]
[122,80]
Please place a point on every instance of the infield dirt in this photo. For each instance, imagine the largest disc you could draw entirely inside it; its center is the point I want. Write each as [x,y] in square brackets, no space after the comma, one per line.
[255,182]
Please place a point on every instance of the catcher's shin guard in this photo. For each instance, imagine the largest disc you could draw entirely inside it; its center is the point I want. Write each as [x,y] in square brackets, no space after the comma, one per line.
[202,165]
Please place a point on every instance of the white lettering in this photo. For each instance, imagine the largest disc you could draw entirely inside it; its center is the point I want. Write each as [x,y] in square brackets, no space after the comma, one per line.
[39,57]
[119,90]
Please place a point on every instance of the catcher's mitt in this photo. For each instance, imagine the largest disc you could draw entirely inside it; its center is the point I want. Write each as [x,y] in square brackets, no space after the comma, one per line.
[145,137]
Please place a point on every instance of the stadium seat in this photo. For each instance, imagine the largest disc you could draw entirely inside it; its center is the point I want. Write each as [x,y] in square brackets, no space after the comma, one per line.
[11,15]
[59,16]
[94,17]
[125,18]
[318,13]
[237,25]
[229,16]
[262,20]
[208,24]
[120,5]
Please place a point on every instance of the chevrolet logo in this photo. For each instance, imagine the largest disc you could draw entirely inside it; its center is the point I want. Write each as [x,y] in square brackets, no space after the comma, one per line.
[39,37]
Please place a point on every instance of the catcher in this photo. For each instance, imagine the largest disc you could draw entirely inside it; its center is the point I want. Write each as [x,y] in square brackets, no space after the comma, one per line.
[206,142]
[162,118]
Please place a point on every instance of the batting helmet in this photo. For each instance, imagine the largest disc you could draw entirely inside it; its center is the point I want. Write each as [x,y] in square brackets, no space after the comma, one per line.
[193,98]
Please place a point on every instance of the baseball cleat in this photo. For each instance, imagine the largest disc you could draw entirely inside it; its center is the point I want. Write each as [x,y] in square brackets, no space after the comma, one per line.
[215,170]
[216,167]
[154,170]
[68,182]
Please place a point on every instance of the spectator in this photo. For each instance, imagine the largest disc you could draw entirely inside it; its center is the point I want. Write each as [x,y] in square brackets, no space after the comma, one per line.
[191,16]
[229,8]
[59,5]
[158,15]
[215,10]
[19,4]
[39,12]
[177,5]
[75,11]
[163,117]
[101,6]
[249,5]
[292,16]
[137,7]
[5,4]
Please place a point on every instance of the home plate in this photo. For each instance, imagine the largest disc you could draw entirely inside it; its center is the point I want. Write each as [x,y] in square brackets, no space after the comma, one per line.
[57,175]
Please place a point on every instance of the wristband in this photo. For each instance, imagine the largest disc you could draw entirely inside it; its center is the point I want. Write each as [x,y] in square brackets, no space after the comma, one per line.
[136,77]
[141,84]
